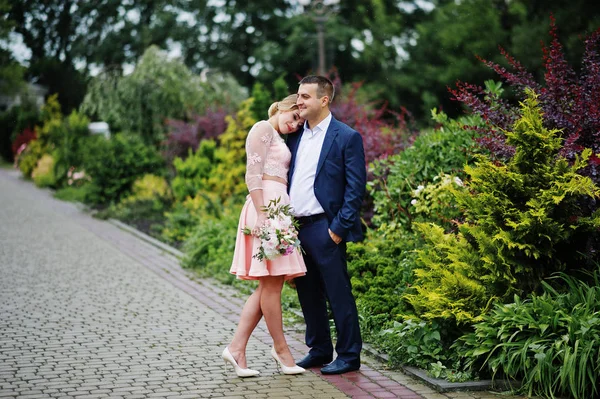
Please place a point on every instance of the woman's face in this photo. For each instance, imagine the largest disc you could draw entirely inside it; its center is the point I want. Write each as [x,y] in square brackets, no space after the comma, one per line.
[290,121]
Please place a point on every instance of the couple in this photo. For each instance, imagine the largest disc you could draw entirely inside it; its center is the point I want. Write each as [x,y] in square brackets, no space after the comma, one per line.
[325,168]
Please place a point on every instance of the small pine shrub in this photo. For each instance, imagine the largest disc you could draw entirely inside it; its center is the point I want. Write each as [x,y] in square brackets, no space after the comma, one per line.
[522,223]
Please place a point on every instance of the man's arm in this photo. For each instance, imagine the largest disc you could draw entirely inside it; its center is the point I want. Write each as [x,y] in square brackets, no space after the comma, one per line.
[356,180]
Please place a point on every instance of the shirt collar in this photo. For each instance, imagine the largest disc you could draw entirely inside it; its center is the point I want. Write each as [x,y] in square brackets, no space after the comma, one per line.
[321,127]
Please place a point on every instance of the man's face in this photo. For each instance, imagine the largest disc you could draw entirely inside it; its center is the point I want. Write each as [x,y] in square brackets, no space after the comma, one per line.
[309,104]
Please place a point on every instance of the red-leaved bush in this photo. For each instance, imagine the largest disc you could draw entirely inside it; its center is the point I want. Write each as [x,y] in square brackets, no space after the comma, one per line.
[186,135]
[381,138]
[24,137]
[570,101]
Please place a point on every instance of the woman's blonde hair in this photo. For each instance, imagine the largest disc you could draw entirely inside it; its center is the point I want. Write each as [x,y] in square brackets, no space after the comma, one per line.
[287,104]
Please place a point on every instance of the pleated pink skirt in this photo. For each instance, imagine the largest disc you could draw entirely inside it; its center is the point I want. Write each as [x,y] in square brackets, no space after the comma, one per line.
[244,265]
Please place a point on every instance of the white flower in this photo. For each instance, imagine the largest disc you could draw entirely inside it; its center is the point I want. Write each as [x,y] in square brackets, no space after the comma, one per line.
[419,189]
[458,182]
[414,202]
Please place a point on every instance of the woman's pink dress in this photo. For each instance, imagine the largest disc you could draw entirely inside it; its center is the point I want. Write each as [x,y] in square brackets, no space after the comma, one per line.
[266,154]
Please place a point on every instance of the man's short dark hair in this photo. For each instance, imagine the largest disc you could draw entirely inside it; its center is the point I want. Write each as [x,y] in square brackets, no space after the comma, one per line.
[324,85]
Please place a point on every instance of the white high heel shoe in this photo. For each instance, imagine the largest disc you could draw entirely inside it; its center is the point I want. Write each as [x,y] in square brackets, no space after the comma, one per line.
[295,369]
[228,357]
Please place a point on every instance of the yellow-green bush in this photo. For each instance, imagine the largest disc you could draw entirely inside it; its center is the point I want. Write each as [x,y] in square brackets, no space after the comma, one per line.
[149,188]
[43,175]
[210,182]
[29,158]
[523,222]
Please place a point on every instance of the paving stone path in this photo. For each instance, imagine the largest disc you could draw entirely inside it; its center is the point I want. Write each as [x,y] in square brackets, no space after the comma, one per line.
[88,310]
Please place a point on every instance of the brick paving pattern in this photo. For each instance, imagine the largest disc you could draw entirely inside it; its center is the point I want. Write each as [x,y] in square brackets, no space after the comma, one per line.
[91,311]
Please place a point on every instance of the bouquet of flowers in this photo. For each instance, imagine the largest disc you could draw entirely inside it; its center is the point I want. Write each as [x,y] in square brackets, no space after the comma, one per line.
[279,234]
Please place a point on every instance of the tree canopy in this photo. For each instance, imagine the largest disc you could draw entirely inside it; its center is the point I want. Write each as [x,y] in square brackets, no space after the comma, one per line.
[407,52]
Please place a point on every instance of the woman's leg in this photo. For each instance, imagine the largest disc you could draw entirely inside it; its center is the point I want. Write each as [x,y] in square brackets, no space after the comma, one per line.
[270,304]
[251,315]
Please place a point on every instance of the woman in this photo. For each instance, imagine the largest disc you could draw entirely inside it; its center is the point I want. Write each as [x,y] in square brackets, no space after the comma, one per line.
[268,160]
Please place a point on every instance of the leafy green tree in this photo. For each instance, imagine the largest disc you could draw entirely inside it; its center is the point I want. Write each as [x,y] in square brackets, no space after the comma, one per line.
[444,46]
[62,34]
[11,73]
[157,89]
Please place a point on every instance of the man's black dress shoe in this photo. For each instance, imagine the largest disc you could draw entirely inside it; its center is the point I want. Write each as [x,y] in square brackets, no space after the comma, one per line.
[313,361]
[340,367]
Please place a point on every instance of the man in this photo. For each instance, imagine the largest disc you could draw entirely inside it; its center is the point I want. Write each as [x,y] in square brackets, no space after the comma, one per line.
[327,184]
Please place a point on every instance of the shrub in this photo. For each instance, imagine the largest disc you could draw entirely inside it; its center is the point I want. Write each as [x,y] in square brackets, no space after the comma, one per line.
[51,118]
[211,179]
[185,136]
[380,137]
[549,342]
[28,159]
[445,149]
[68,140]
[113,165]
[569,101]
[13,122]
[21,141]
[380,269]
[193,172]
[435,201]
[43,174]
[149,188]
[522,223]
[210,246]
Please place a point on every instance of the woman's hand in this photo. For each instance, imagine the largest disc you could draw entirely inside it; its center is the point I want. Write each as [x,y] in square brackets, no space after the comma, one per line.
[261,218]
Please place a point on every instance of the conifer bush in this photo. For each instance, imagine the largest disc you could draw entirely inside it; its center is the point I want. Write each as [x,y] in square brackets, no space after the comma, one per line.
[522,223]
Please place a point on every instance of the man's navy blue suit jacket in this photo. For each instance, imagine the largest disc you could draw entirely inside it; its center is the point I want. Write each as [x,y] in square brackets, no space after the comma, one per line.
[341,178]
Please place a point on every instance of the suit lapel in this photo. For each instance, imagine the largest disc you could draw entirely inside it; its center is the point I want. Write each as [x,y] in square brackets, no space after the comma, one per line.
[330,136]
[294,150]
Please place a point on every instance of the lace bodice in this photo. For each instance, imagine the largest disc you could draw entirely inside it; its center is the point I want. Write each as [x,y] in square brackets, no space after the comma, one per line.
[266,153]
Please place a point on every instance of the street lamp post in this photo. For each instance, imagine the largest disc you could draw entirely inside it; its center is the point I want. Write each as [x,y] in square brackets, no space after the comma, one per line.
[320,11]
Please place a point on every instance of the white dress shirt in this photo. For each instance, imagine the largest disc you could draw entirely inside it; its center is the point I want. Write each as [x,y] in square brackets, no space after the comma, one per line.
[302,194]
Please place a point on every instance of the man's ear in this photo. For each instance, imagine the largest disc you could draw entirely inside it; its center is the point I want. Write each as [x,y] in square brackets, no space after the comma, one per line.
[324,101]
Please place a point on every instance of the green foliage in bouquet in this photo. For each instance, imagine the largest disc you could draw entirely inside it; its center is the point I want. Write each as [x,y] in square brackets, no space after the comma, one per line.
[115,164]
[550,342]
[522,223]
[445,149]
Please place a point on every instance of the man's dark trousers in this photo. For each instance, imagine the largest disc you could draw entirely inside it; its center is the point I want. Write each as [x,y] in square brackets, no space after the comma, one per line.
[327,278]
